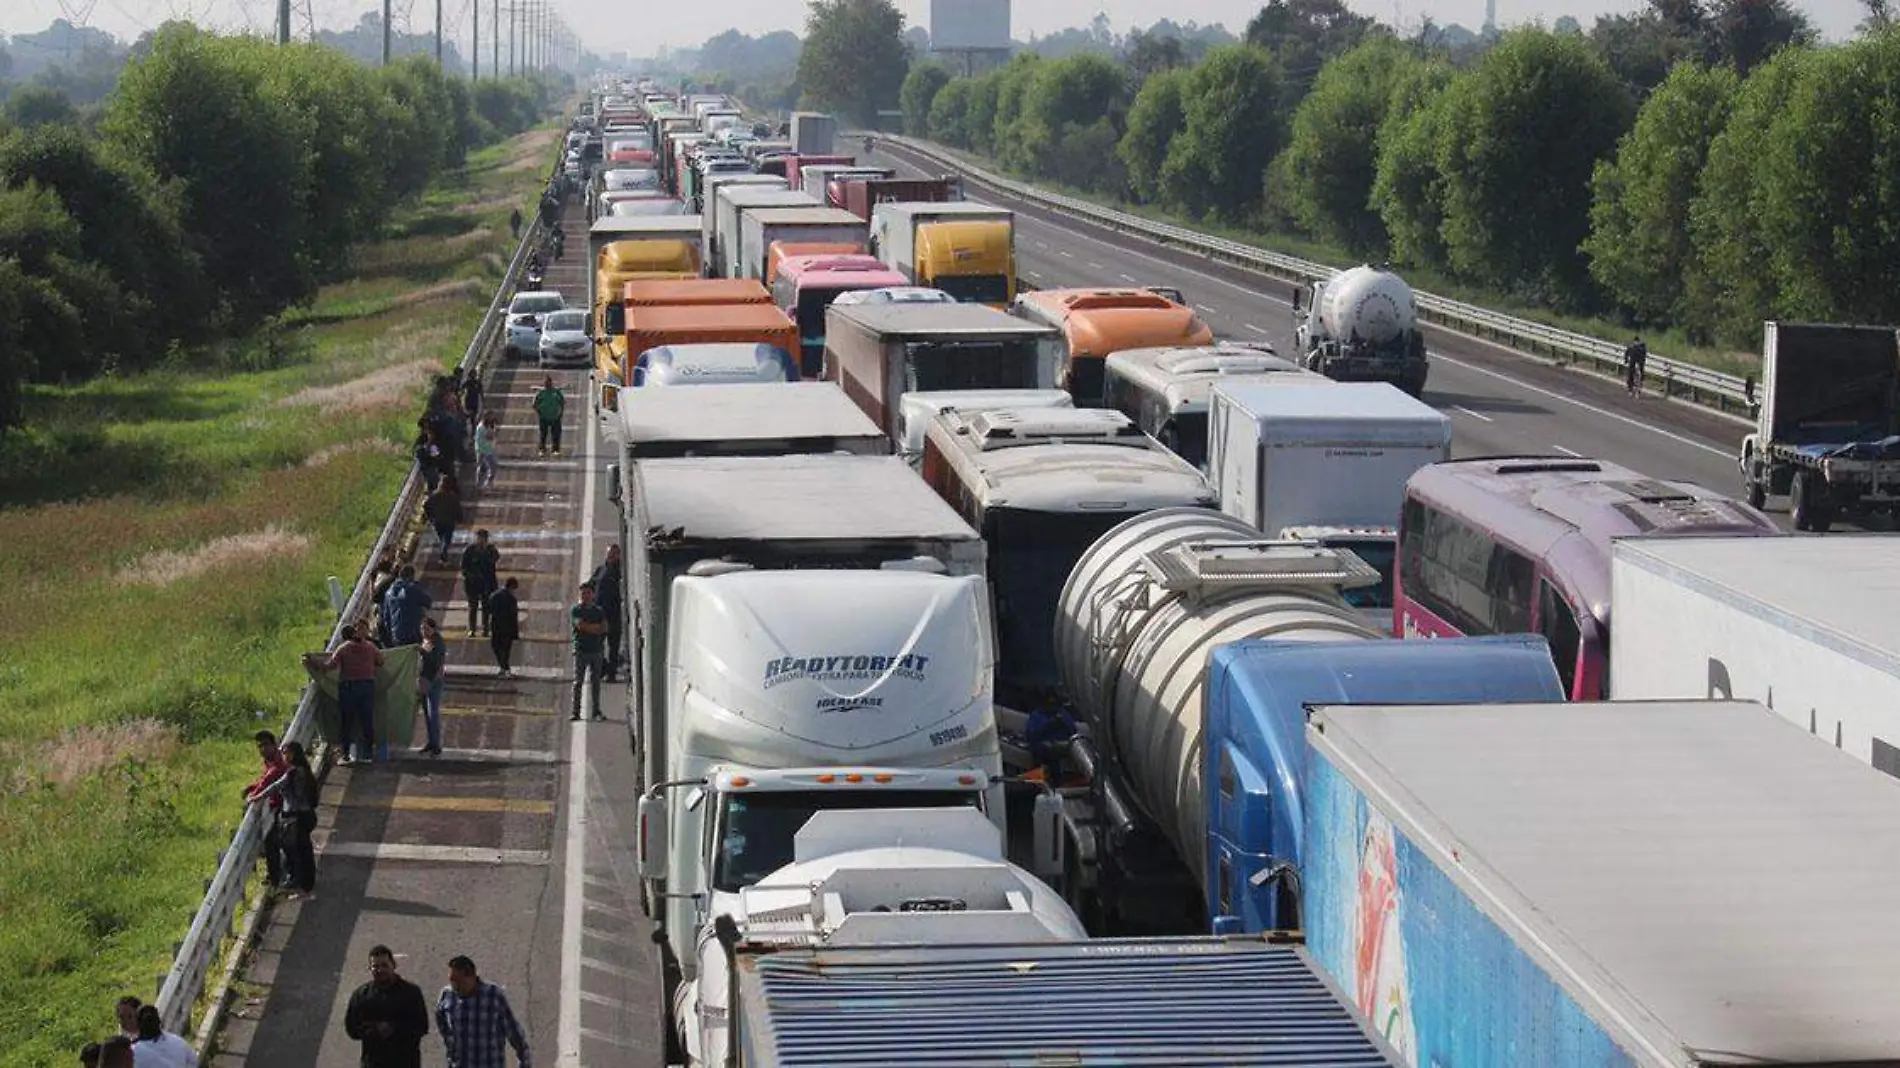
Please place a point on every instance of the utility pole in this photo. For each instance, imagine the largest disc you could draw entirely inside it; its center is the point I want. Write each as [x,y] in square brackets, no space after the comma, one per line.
[438,34]
[475,46]
[494,37]
[385,33]
[283,22]
[514,34]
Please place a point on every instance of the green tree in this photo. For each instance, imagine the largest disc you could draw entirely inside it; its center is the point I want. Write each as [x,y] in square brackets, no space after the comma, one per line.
[1302,35]
[1745,33]
[1332,153]
[855,59]
[1148,54]
[1639,244]
[199,115]
[1407,191]
[1013,81]
[1217,163]
[54,290]
[1153,121]
[979,119]
[1520,138]
[1066,96]
[948,113]
[39,105]
[1732,288]
[350,120]
[919,92]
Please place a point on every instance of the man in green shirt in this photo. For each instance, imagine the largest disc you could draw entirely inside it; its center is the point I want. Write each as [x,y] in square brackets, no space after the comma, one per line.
[549,405]
[589,629]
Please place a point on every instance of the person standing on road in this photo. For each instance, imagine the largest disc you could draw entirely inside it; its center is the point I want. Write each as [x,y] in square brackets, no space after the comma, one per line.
[444,509]
[275,768]
[1635,355]
[428,453]
[387,1015]
[159,1048]
[355,661]
[479,562]
[429,678]
[477,1023]
[589,632]
[485,460]
[607,591]
[550,404]
[297,819]
[472,391]
[404,606]
[504,623]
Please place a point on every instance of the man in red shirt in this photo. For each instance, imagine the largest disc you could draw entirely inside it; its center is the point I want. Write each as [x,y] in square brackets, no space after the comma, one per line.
[355,661]
[275,768]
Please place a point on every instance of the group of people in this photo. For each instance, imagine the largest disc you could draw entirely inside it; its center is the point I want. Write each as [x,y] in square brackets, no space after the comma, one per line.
[388,1016]
[287,789]
[142,1042]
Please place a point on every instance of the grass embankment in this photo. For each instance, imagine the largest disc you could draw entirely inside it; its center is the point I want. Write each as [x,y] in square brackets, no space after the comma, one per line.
[164,546]
[1670,343]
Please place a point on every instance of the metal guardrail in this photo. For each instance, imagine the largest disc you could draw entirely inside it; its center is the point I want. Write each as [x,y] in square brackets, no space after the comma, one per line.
[1677,378]
[195,956]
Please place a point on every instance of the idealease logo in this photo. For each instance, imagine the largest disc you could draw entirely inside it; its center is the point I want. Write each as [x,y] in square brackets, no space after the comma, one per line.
[847,668]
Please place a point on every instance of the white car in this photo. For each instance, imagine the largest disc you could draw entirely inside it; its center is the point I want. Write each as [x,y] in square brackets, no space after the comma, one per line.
[895,295]
[564,339]
[525,313]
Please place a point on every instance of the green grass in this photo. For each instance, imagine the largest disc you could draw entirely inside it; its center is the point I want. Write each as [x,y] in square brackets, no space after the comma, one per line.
[1670,343]
[140,651]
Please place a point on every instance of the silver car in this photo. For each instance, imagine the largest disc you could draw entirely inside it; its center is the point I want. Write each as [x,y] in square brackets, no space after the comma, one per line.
[525,313]
[564,340]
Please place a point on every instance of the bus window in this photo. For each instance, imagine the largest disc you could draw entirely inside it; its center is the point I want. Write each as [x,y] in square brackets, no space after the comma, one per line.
[1558,626]
[1462,576]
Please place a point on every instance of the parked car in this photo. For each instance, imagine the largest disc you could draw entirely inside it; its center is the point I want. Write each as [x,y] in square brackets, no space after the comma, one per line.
[525,314]
[564,339]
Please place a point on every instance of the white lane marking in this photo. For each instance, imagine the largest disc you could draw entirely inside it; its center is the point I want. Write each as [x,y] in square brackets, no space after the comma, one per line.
[1040,244]
[484,671]
[1210,309]
[1129,278]
[1568,452]
[1679,439]
[1096,266]
[1472,414]
[432,854]
[1066,254]
[1253,328]
[574,897]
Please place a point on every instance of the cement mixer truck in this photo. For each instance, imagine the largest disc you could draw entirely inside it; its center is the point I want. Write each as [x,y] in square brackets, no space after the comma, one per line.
[1191,648]
[1361,325]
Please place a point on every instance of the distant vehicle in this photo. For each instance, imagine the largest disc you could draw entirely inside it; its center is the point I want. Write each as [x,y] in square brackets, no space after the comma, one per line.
[895,295]
[1361,325]
[564,339]
[525,313]
[626,179]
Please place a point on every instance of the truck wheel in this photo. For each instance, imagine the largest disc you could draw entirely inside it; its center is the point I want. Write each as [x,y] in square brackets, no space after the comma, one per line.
[1757,491]
[670,980]
[1807,512]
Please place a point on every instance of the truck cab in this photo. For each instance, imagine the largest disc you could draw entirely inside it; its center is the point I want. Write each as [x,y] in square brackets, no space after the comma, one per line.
[1096,323]
[622,250]
[1361,325]
[1165,390]
[964,248]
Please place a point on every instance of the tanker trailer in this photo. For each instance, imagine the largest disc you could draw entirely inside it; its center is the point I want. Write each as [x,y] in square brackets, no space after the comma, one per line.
[1180,602]
[1361,325]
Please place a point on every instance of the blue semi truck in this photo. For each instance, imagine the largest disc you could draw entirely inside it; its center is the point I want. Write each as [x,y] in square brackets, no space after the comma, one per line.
[1192,649]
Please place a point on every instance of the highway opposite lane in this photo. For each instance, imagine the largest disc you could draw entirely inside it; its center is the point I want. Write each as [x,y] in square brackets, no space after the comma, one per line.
[1500,401]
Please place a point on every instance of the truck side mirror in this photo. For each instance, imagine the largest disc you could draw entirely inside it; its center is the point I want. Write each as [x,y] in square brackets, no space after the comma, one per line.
[652,844]
[1046,823]
[613,483]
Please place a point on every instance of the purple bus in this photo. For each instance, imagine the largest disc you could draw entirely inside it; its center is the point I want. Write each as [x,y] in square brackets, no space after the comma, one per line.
[1521,545]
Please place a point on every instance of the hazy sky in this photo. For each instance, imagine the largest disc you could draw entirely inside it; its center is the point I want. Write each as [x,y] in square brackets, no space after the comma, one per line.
[612,25]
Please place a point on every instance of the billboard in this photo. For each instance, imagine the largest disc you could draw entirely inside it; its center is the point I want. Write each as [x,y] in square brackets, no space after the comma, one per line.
[960,24]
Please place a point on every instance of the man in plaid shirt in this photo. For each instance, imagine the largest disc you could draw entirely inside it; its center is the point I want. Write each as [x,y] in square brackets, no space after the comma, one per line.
[476,1021]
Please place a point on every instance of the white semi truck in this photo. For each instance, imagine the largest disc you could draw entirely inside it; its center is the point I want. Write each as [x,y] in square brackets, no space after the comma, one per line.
[1806,626]
[1362,325]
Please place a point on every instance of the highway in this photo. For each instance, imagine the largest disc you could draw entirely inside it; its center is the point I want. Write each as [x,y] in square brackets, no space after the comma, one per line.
[1499,400]
[514,847]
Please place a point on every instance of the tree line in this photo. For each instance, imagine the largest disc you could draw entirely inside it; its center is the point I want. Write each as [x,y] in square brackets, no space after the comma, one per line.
[222,181]
[1691,165]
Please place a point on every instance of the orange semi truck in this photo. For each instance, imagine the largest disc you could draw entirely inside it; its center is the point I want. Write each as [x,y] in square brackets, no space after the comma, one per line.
[683,311]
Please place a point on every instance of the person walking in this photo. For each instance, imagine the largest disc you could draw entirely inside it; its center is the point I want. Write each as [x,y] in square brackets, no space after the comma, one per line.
[387,1015]
[158,1048]
[476,1021]
[444,509]
[588,626]
[485,459]
[504,624]
[479,562]
[404,606]
[607,593]
[472,394]
[429,679]
[550,404]
[428,454]
[1635,355]
[355,661]
[514,223]
[297,819]
[259,791]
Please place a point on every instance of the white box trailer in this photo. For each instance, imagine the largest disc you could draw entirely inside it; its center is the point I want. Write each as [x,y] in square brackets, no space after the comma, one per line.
[813,133]
[761,228]
[1809,627]
[723,252]
[709,193]
[894,226]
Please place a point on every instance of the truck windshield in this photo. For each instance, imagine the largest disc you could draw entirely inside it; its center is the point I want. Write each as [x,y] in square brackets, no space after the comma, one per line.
[975,288]
[1379,553]
[942,365]
[1031,555]
[757,829]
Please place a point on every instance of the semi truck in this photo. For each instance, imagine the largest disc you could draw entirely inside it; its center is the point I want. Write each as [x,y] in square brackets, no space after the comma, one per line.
[920,408]
[611,370]
[731,202]
[658,326]
[1099,322]
[1640,884]
[1189,646]
[1803,625]
[879,352]
[860,195]
[813,133]
[1827,432]
[621,250]
[1362,325]
[1166,390]
[966,249]
[1325,463]
[739,420]
[761,227]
